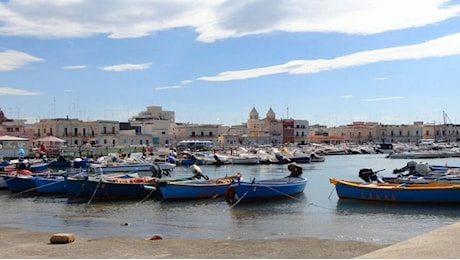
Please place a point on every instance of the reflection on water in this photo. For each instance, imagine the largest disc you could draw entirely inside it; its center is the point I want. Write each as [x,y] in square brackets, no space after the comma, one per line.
[315,213]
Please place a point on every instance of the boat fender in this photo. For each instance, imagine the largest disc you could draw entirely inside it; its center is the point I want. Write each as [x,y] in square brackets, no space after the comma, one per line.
[25,172]
[229,194]
[149,188]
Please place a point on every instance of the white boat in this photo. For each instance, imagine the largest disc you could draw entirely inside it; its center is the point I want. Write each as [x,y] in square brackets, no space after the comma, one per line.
[113,163]
[424,154]
[245,159]
[316,158]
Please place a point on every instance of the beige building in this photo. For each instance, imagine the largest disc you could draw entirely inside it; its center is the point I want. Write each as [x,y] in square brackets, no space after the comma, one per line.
[77,132]
[269,130]
[200,132]
[156,122]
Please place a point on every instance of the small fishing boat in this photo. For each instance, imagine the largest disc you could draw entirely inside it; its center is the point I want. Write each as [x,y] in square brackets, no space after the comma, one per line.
[266,189]
[81,162]
[50,184]
[431,192]
[60,163]
[19,182]
[416,173]
[54,183]
[25,181]
[269,188]
[195,187]
[121,187]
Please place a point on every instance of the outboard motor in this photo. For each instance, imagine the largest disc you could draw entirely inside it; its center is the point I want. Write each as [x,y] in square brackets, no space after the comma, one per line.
[368,175]
[156,171]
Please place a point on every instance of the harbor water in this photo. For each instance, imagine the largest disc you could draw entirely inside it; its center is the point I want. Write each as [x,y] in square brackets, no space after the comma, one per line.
[316,213]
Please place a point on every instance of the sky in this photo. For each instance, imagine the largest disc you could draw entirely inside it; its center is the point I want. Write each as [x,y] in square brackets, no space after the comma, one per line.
[330,62]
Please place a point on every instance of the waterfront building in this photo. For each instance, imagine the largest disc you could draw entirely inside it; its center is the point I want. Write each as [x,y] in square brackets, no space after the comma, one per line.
[16,127]
[301,130]
[273,131]
[232,135]
[199,132]
[156,122]
[77,132]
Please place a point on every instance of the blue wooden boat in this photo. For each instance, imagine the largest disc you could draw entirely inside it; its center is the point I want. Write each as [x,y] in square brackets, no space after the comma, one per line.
[50,184]
[60,163]
[39,167]
[193,189]
[81,162]
[431,192]
[266,189]
[19,183]
[110,188]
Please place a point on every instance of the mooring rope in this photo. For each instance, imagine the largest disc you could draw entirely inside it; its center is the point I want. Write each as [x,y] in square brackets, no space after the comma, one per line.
[330,194]
[148,195]
[94,193]
[238,201]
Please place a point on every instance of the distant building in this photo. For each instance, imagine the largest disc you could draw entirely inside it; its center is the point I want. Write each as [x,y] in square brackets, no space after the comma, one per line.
[196,132]
[156,122]
[266,131]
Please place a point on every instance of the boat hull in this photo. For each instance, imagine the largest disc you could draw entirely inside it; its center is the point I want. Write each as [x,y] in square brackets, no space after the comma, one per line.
[122,168]
[192,190]
[391,192]
[55,185]
[86,187]
[20,183]
[269,189]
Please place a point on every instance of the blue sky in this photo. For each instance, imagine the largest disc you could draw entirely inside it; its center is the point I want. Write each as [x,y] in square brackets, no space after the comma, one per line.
[329,62]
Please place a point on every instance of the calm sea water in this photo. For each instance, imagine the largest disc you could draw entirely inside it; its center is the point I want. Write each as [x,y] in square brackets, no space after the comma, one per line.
[316,213]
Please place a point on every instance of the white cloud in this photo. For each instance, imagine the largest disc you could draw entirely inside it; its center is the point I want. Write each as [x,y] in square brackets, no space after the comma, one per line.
[383,99]
[124,67]
[444,46]
[168,87]
[73,67]
[216,19]
[347,96]
[16,92]
[12,60]
[185,82]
